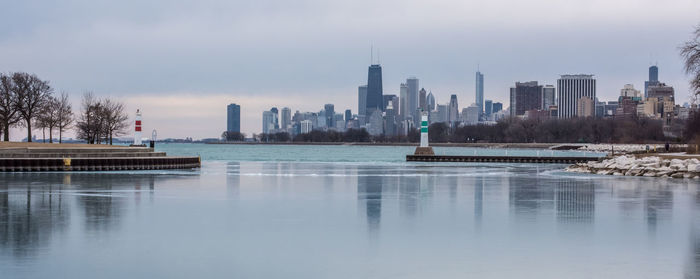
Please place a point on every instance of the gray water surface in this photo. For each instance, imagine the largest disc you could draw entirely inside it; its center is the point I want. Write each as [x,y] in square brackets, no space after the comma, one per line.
[280,219]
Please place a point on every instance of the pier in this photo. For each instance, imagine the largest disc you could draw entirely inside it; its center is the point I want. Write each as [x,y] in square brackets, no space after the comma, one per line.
[501,159]
[76,157]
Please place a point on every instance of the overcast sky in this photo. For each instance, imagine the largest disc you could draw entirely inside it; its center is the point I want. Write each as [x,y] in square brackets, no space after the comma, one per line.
[182,62]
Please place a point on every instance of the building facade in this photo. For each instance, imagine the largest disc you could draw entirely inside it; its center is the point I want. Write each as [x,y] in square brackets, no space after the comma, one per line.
[375,92]
[233,118]
[571,89]
[479,91]
[362,104]
[525,96]
[453,115]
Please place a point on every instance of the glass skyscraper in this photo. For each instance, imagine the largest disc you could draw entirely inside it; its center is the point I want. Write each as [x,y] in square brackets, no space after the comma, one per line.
[375,99]
[233,118]
[480,91]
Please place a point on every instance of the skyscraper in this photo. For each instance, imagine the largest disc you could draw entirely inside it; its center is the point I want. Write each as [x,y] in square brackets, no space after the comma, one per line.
[374,88]
[549,94]
[330,114]
[480,91]
[525,96]
[412,83]
[348,115]
[275,118]
[286,119]
[497,106]
[571,89]
[653,79]
[453,115]
[362,103]
[267,122]
[233,118]
[488,107]
[430,100]
[403,100]
[422,100]
[390,119]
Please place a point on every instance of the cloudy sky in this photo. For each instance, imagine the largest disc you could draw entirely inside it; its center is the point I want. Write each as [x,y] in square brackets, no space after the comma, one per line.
[182,62]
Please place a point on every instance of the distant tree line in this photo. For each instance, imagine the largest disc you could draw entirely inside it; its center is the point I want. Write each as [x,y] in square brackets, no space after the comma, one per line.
[26,101]
[516,130]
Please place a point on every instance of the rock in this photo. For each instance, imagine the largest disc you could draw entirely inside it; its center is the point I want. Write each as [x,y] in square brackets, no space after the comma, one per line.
[693,167]
[677,175]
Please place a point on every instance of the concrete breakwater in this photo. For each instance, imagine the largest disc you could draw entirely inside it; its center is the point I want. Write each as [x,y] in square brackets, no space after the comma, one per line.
[68,157]
[650,166]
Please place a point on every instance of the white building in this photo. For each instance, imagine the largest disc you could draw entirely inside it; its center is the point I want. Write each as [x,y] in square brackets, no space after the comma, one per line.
[470,115]
[571,89]
[306,126]
[375,125]
[629,91]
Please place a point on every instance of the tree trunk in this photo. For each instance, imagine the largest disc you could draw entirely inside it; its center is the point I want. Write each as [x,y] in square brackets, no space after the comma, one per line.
[6,133]
[110,139]
[50,134]
[29,130]
[43,135]
[60,134]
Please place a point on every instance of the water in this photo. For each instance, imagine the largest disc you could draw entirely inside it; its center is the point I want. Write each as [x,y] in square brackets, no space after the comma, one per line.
[368,217]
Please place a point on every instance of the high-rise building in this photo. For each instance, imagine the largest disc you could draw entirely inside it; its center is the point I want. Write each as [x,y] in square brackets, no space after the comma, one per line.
[497,106]
[404,112]
[453,110]
[422,100]
[233,118]
[330,114]
[629,91]
[286,119]
[653,79]
[275,118]
[443,112]
[388,98]
[549,95]
[470,115]
[525,96]
[412,103]
[430,100]
[488,107]
[585,107]
[348,115]
[306,126]
[268,122]
[571,89]
[480,91]
[362,103]
[375,92]
[375,125]
[390,119]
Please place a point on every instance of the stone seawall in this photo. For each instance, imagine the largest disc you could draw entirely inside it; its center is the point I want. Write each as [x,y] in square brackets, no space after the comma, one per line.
[646,166]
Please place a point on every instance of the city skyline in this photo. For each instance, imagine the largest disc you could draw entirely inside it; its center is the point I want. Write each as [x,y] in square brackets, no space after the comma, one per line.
[179,69]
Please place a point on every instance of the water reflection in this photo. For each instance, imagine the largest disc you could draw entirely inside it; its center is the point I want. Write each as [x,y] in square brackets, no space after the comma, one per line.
[369,192]
[36,206]
[575,201]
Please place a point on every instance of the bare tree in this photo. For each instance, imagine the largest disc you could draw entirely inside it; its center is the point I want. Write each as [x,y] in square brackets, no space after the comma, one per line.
[8,108]
[49,117]
[116,121]
[88,124]
[690,51]
[65,115]
[31,93]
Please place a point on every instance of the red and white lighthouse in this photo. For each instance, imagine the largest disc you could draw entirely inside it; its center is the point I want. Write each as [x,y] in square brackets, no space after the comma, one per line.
[137,128]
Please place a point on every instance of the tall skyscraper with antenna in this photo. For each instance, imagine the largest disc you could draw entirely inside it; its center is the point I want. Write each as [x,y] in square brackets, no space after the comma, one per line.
[480,91]
[653,79]
[375,100]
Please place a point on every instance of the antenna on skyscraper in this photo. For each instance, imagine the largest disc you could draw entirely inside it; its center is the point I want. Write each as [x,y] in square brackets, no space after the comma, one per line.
[378,59]
[371,54]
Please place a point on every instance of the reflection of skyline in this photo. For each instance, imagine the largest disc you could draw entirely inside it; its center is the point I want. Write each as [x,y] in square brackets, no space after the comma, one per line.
[575,201]
[35,206]
[369,190]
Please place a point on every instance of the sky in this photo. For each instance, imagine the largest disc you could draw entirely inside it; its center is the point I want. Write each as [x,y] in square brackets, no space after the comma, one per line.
[181,62]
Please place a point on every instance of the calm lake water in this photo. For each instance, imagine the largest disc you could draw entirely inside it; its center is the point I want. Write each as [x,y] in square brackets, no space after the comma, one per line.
[346,212]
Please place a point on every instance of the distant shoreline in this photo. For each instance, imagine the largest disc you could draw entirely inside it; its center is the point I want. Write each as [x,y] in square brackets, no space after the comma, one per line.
[480,145]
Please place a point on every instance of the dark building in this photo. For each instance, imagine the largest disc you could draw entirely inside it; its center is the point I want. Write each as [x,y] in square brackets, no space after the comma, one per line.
[348,115]
[233,118]
[389,98]
[488,107]
[374,89]
[653,80]
[330,112]
[525,96]
[497,106]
